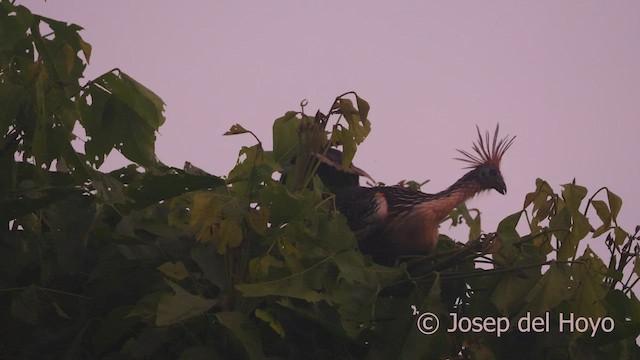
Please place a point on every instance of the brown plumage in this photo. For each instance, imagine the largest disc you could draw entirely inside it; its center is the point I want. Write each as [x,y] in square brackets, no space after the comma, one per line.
[392,220]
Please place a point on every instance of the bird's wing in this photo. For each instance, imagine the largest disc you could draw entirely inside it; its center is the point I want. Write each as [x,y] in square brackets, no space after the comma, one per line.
[370,209]
[365,209]
[401,200]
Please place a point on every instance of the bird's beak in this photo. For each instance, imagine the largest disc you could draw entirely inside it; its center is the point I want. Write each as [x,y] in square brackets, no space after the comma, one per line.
[500,187]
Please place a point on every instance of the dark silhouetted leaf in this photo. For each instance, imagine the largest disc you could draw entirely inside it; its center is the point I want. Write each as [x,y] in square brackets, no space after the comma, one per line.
[615,203]
[554,287]
[175,270]
[180,306]
[507,228]
[283,206]
[244,331]
[285,137]
[236,129]
[230,235]
[274,324]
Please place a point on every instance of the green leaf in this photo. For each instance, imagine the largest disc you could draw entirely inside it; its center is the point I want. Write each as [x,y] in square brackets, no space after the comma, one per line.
[60,311]
[600,230]
[140,99]
[298,285]
[283,206]
[230,236]
[359,127]
[543,191]
[273,324]
[334,234]
[13,209]
[148,342]
[252,168]
[416,345]
[123,114]
[573,195]
[507,228]
[554,287]
[568,247]
[211,263]
[200,352]
[244,331]
[603,211]
[113,328]
[71,221]
[345,137]
[152,187]
[12,99]
[561,224]
[67,36]
[620,235]
[581,226]
[204,215]
[108,188]
[363,107]
[259,266]
[285,137]
[354,271]
[473,223]
[510,292]
[26,306]
[180,306]
[174,270]
[236,129]
[615,203]
[13,29]
[590,291]
[258,219]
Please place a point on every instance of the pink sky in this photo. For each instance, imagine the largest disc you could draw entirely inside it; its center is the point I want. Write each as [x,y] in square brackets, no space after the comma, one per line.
[562,76]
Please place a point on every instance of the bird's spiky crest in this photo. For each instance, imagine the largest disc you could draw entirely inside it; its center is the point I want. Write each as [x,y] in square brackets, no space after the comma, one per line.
[488,152]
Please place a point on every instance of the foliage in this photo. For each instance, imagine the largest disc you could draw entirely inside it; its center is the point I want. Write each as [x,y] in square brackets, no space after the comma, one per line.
[150,261]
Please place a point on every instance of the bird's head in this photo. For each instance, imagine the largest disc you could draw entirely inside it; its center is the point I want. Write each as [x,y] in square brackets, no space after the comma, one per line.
[485,163]
[489,177]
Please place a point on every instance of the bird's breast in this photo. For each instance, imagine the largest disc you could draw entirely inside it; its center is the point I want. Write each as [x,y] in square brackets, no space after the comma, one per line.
[416,231]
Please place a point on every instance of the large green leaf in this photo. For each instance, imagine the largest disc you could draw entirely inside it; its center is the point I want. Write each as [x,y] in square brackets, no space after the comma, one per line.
[12,99]
[122,114]
[283,205]
[554,287]
[300,285]
[417,345]
[354,271]
[152,187]
[205,215]
[590,290]
[180,306]
[285,137]
[615,203]
[13,29]
[230,235]
[507,228]
[244,331]
[26,306]
[70,221]
[509,294]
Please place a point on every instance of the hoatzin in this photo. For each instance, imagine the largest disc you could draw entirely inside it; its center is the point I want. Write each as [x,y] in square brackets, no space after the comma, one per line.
[390,221]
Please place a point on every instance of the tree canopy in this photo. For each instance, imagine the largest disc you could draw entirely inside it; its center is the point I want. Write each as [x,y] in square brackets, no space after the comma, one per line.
[152,261]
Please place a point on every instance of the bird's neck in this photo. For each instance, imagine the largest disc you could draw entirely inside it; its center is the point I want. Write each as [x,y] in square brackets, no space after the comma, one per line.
[447,200]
